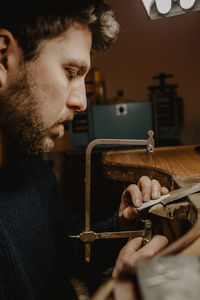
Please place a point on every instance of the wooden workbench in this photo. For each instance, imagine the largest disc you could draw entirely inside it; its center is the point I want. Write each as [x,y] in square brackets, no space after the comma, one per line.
[165,163]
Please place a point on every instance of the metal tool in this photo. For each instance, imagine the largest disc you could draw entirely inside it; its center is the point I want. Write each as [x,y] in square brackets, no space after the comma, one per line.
[172,196]
[89,236]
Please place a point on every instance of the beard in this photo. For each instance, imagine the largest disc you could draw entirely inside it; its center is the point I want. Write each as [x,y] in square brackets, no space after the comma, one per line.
[20,120]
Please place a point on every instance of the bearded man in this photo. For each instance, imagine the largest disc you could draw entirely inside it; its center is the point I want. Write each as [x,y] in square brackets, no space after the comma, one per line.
[44,59]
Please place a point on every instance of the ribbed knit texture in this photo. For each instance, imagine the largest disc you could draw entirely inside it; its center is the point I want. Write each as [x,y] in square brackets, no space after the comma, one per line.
[36,257]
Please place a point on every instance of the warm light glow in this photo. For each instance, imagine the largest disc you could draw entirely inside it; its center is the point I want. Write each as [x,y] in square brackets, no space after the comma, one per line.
[163,6]
[187,4]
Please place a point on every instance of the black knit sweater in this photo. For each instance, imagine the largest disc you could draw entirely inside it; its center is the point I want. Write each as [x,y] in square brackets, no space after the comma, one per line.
[36,257]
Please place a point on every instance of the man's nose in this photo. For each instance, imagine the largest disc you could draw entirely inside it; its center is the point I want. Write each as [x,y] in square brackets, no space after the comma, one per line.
[77,99]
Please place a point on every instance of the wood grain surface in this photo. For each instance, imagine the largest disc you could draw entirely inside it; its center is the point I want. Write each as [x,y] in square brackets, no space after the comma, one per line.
[182,161]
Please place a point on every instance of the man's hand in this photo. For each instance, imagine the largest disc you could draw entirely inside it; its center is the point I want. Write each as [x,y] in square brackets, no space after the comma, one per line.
[133,251]
[136,194]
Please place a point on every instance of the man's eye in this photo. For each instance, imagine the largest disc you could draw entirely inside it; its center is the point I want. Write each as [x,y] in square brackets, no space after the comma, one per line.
[71,74]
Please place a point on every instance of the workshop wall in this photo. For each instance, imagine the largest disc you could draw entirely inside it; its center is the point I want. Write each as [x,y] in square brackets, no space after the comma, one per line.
[144,49]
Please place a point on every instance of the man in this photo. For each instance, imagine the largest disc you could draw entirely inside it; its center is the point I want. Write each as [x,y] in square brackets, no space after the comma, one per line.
[44,58]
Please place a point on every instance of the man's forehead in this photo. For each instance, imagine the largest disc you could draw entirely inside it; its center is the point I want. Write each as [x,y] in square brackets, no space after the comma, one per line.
[76,45]
[70,50]
[76,58]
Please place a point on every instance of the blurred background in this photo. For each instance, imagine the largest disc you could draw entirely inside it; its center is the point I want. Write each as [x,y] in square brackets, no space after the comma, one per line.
[149,79]
[146,48]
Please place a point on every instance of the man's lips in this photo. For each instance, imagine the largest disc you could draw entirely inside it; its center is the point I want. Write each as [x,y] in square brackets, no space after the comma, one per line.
[64,123]
[66,119]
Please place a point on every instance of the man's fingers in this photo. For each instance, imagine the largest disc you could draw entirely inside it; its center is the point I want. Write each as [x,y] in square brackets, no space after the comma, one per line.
[133,245]
[133,195]
[124,290]
[130,213]
[133,251]
[149,250]
[156,189]
[157,243]
[146,186]
[130,247]
[151,189]
[164,190]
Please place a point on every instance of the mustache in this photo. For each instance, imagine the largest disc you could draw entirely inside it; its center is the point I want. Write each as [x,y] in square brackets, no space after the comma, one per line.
[66,118]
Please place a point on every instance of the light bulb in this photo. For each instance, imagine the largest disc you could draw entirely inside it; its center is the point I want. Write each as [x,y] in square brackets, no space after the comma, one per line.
[163,6]
[186,4]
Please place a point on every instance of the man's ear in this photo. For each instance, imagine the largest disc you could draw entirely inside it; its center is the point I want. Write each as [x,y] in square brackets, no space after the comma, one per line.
[8,50]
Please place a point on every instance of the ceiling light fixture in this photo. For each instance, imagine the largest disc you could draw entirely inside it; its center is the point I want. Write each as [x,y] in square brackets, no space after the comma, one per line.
[157,9]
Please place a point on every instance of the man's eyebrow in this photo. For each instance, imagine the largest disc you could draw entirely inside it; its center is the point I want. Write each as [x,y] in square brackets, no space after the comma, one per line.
[82,65]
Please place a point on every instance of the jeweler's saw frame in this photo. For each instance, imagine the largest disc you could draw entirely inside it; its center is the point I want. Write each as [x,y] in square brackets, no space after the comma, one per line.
[88,236]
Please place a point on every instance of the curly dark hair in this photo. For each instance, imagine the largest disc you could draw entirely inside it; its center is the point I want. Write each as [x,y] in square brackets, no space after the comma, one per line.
[31,25]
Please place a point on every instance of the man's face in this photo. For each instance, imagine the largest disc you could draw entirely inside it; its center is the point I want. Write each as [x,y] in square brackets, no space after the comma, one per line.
[48,90]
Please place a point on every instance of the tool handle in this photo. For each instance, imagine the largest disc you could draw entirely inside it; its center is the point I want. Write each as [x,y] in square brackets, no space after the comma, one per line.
[120,234]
